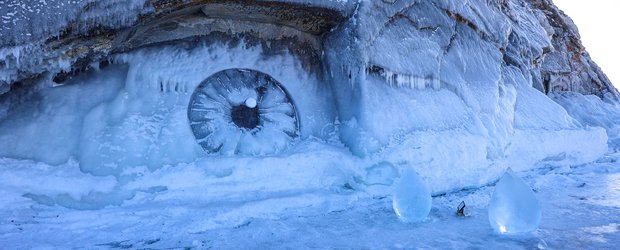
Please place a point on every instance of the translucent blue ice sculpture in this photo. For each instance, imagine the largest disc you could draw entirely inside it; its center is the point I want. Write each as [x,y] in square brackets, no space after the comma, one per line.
[412,199]
[513,207]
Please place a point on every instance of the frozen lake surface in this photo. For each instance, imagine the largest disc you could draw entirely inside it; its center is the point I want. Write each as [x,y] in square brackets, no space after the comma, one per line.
[581,210]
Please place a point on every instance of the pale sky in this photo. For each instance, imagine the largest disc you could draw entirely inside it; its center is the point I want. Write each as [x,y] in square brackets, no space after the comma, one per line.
[599,23]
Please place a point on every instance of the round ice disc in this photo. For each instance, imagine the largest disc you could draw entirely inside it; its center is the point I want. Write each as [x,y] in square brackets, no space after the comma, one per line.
[242,111]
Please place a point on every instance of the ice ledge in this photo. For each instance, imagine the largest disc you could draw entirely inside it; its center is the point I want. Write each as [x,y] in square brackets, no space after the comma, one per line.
[454,159]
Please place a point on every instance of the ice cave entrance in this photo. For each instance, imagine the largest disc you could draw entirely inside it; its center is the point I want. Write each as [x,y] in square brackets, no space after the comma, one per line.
[242,112]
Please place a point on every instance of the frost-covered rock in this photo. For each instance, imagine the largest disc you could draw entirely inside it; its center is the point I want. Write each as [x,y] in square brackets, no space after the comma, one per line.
[483,56]
[531,34]
[412,199]
[513,207]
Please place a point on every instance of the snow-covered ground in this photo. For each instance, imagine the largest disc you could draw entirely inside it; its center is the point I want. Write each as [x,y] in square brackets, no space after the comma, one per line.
[580,210]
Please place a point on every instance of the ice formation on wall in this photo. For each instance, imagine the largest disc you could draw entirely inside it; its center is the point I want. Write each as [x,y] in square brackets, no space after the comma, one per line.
[457,90]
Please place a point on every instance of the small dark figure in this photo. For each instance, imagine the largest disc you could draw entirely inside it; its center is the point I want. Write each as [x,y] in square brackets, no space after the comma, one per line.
[461,209]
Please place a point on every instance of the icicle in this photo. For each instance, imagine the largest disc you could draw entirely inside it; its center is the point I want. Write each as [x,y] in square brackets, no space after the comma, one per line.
[436,84]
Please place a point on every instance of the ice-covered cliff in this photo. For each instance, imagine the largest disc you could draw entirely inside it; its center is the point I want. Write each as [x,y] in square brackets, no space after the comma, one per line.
[460,90]
[39,36]
[218,123]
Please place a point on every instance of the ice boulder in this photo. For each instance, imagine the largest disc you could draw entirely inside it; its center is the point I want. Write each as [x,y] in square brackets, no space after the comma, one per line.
[513,207]
[412,198]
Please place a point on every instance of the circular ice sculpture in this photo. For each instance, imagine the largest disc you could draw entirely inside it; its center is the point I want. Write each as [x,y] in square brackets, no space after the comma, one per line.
[412,199]
[242,111]
[513,207]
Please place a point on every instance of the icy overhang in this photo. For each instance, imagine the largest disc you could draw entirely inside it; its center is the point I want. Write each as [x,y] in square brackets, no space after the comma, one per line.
[298,23]
[262,20]
[309,19]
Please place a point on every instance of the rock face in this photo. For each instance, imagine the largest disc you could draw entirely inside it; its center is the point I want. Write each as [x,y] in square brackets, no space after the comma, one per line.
[568,66]
[531,34]
[85,32]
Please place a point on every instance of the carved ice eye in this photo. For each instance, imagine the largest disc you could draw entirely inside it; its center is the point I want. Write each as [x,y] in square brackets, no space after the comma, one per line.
[244,112]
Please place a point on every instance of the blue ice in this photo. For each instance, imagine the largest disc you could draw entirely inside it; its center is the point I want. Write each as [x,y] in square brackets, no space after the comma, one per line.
[412,199]
[513,207]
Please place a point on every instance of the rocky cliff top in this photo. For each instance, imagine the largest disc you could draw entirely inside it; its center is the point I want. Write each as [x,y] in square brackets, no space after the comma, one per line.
[41,38]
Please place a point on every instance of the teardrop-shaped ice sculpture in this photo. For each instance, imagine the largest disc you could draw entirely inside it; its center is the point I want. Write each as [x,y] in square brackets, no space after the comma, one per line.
[412,199]
[513,207]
